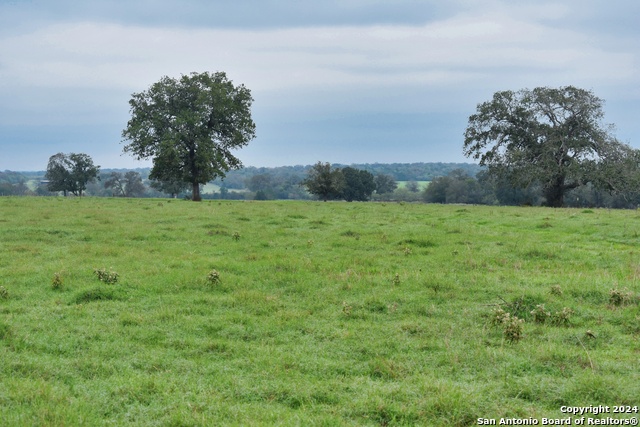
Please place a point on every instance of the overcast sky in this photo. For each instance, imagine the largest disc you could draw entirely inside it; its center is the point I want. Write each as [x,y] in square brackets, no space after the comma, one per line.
[342,81]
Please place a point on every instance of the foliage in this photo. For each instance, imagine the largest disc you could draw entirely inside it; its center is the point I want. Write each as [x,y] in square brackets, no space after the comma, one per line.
[413,186]
[358,184]
[189,127]
[385,183]
[350,184]
[554,137]
[70,173]
[9,177]
[324,181]
[127,185]
[19,189]
[457,187]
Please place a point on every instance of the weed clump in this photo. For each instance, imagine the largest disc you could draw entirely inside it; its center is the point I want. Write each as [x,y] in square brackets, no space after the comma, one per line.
[4,293]
[396,280]
[540,315]
[620,297]
[512,328]
[56,282]
[556,290]
[235,236]
[346,308]
[561,318]
[511,325]
[109,277]
[213,278]
[498,316]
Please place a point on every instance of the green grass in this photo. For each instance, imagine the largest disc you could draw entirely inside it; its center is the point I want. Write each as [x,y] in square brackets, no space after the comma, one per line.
[421,184]
[323,314]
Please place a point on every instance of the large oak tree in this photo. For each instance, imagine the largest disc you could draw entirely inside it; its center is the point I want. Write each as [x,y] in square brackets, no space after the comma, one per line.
[551,136]
[189,127]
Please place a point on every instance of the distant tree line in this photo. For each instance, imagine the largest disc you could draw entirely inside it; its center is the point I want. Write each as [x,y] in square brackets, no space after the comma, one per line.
[457,185]
[485,189]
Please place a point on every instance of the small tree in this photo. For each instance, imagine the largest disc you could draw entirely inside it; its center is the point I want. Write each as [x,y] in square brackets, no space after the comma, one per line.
[413,186]
[358,184]
[385,184]
[324,182]
[70,173]
[59,173]
[129,185]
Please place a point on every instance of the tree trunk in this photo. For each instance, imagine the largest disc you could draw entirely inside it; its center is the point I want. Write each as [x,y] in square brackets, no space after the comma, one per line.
[554,192]
[196,192]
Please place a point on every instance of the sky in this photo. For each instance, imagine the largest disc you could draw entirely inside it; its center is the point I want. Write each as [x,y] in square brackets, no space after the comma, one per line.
[340,81]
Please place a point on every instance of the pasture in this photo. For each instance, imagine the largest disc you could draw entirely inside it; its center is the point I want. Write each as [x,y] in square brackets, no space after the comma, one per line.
[311,313]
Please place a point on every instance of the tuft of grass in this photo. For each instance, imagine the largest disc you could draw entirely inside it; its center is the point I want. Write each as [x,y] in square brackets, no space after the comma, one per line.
[562,317]
[56,281]
[620,297]
[540,314]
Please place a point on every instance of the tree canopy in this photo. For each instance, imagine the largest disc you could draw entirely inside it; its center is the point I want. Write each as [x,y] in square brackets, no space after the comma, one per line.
[324,181]
[358,184]
[189,127]
[554,137]
[70,173]
[127,185]
[328,183]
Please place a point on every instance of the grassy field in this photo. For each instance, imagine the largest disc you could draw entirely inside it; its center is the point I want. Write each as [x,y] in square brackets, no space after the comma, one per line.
[311,313]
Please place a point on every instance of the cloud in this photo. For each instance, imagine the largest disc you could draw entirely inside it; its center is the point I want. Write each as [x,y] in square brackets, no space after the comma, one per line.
[454,51]
[354,72]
